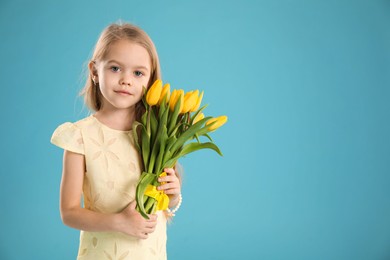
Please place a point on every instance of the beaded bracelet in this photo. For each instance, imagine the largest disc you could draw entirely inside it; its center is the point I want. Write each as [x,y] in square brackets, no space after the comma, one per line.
[172,212]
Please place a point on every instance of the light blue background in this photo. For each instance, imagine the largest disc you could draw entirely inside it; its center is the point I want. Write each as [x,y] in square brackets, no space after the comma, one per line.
[306,166]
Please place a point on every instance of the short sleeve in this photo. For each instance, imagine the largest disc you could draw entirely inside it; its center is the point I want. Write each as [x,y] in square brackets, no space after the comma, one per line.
[68,136]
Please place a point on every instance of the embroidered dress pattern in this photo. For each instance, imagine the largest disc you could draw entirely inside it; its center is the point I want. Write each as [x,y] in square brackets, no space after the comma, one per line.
[112,173]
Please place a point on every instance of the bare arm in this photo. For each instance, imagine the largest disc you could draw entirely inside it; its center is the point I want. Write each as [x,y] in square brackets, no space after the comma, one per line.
[129,221]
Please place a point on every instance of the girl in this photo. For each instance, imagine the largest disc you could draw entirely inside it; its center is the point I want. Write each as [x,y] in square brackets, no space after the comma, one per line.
[100,160]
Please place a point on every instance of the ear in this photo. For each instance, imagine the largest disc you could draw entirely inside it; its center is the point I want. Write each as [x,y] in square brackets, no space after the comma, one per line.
[93,71]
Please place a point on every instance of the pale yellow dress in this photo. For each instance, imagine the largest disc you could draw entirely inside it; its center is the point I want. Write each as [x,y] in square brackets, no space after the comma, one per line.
[113,168]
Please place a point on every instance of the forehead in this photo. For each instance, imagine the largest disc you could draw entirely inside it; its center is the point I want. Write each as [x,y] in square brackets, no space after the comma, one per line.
[128,53]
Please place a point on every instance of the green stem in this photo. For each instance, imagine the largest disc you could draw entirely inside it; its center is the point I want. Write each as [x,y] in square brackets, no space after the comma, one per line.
[149,205]
[153,210]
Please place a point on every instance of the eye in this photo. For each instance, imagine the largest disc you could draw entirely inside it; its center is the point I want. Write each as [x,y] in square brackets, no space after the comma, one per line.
[114,68]
[138,73]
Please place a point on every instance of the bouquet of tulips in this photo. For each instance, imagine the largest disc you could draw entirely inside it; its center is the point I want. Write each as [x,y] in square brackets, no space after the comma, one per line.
[169,129]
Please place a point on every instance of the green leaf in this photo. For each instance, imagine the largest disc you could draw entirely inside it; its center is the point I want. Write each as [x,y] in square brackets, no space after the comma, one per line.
[163,107]
[196,113]
[165,114]
[160,139]
[173,118]
[144,97]
[144,118]
[136,124]
[153,125]
[170,142]
[192,147]
[197,138]
[153,154]
[145,139]
[148,108]
[188,134]
[167,156]
[208,137]
[145,180]
[160,156]
[174,132]
[149,203]
[154,151]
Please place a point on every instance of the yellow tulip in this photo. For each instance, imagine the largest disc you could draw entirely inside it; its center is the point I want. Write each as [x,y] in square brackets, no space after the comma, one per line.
[177,96]
[198,102]
[219,121]
[180,99]
[190,100]
[154,93]
[198,117]
[165,91]
[172,99]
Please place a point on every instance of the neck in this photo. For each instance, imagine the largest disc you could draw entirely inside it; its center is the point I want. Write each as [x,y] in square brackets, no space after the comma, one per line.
[118,119]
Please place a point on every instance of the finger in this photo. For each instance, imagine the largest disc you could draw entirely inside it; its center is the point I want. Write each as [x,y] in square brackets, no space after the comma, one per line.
[149,229]
[149,226]
[165,186]
[173,181]
[169,171]
[169,185]
[152,218]
[168,178]
[172,192]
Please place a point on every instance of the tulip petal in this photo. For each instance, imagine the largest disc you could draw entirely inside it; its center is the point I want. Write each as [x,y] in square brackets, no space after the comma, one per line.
[154,93]
[216,123]
[165,93]
[198,102]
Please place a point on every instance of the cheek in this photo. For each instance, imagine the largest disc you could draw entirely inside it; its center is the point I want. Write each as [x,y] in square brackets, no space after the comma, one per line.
[139,93]
[146,81]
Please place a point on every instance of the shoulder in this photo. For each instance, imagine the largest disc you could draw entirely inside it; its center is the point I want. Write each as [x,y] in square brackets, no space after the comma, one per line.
[85,122]
[74,126]
[69,135]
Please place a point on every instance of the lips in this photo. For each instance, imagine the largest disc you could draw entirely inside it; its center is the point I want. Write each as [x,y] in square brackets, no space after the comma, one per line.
[123,92]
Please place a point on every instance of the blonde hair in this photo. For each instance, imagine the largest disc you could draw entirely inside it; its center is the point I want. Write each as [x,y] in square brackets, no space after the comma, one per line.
[109,36]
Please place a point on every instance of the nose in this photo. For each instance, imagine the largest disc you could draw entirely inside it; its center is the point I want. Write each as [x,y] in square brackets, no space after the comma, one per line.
[126,80]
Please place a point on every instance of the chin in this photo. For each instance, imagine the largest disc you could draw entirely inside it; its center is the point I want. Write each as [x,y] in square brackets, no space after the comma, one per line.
[126,106]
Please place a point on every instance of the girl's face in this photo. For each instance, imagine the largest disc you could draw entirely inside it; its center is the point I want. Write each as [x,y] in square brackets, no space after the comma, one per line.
[122,74]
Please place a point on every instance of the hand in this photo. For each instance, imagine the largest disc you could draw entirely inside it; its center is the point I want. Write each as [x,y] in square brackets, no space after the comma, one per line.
[171,186]
[131,222]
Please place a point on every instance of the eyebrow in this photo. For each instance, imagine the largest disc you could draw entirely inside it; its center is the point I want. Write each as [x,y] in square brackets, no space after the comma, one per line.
[137,67]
